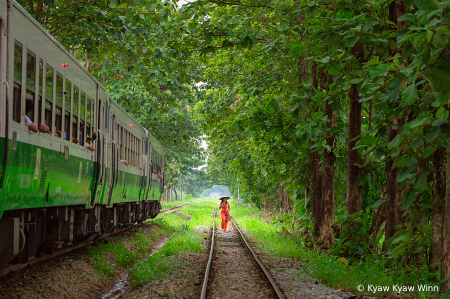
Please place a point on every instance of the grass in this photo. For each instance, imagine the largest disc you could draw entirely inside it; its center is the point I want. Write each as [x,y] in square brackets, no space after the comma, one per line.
[186,200]
[374,270]
[183,241]
[128,250]
[102,267]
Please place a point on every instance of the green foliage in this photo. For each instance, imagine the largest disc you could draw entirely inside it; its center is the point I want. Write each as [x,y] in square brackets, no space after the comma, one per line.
[354,241]
[184,240]
[102,267]
[370,270]
[121,254]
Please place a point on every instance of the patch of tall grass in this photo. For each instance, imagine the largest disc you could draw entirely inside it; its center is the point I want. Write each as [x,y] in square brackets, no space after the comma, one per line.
[122,255]
[183,241]
[373,270]
[102,267]
[158,265]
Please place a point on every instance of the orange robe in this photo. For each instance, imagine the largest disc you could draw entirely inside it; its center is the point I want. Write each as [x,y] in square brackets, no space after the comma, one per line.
[225,209]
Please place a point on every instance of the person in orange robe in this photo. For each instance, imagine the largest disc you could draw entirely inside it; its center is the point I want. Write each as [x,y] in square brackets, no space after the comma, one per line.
[225,206]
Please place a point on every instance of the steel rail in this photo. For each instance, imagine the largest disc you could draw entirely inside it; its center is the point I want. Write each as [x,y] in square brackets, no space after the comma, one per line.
[171,210]
[16,267]
[208,266]
[261,265]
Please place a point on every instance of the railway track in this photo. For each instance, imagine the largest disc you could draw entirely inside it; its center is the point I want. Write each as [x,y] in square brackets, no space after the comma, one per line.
[234,270]
[16,267]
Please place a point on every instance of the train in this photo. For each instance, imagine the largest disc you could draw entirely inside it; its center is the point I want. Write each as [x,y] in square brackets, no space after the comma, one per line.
[73,163]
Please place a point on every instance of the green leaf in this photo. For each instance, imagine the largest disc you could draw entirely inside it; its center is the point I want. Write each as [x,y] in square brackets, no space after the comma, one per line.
[440,121]
[432,134]
[378,70]
[333,71]
[377,203]
[351,41]
[353,81]
[427,4]
[439,75]
[403,161]
[409,199]
[403,174]
[409,94]
[440,113]
[393,89]
[429,35]
[444,280]
[427,151]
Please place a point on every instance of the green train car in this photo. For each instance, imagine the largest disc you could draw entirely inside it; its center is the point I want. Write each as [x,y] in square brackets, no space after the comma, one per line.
[57,185]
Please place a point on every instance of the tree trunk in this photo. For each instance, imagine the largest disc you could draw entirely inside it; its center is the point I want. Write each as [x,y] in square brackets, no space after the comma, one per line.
[316,176]
[266,203]
[40,4]
[287,200]
[354,192]
[307,202]
[326,237]
[438,200]
[445,261]
[181,188]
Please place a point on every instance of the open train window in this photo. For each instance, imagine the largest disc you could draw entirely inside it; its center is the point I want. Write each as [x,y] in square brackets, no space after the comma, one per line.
[31,82]
[67,101]
[41,76]
[58,108]
[17,82]
[75,106]
[48,95]
[82,118]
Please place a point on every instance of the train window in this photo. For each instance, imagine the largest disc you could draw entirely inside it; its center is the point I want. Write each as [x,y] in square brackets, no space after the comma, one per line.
[82,117]
[41,76]
[89,116]
[67,101]
[17,96]
[75,106]
[48,96]
[31,82]
[107,118]
[132,149]
[146,146]
[125,145]
[128,147]
[113,127]
[58,108]
[121,142]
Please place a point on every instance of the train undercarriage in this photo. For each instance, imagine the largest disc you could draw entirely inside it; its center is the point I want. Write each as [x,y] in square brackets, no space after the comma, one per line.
[29,233]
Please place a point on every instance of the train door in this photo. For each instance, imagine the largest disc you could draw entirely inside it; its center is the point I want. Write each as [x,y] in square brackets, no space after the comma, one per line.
[112,149]
[102,148]
[4,89]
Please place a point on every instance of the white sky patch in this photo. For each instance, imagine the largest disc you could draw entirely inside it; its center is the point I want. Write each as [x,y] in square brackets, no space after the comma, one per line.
[181,2]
